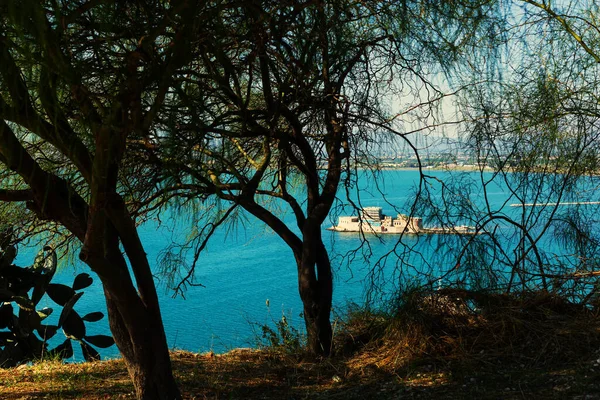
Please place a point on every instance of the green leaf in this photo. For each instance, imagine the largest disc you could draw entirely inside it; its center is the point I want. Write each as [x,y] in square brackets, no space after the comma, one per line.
[6,313]
[45,261]
[82,281]
[38,262]
[45,312]
[101,341]
[73,326]
[6,337]
[24,303]
[64,350]
[68,308]
[60,294]
[8,256]
[89,353]
[93,316]
[13,352]
[6,295]
[50,263]
[29,319]
[47,331]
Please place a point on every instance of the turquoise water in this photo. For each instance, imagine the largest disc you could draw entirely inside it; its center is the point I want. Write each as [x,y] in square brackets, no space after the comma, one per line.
[240,272]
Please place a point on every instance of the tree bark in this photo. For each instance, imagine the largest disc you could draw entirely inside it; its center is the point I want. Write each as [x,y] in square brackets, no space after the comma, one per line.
[325,277]
[144,349]
[315,281]
[316,289]
[138,331]
[318,325]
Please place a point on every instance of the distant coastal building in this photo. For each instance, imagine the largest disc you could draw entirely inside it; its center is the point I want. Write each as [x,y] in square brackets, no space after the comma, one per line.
[372,213]
[373,220]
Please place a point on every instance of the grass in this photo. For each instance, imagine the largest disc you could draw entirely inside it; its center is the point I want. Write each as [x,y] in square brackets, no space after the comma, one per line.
[447,345]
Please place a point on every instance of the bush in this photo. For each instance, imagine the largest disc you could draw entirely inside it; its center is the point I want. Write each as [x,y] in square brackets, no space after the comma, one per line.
[279,335]
[528,328]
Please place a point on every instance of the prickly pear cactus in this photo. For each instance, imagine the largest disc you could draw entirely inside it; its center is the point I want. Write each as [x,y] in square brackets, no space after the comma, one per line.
[23,333]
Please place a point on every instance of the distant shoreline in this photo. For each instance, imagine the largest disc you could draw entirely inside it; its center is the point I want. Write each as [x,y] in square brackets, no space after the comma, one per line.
[449,167]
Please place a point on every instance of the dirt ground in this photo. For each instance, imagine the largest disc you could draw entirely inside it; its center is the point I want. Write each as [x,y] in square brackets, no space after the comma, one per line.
[254,374]
[456,345]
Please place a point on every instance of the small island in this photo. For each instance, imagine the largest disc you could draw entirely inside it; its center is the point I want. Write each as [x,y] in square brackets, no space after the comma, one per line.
[372,220]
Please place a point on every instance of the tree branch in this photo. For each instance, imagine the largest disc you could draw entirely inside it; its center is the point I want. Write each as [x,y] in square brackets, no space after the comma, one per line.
[15,195]
[566,26]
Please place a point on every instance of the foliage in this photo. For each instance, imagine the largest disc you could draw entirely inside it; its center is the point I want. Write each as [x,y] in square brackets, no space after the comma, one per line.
[281,336]
[23,335]
[283,105]
[81,81]
[531,124]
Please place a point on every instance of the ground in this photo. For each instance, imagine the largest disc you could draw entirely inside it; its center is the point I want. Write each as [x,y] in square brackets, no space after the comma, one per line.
[252,374]
[443,345]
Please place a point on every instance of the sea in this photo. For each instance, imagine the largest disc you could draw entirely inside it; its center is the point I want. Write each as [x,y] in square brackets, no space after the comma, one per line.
[246,276]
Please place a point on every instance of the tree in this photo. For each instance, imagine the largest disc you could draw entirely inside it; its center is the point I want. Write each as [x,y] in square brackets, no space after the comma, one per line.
[535,123]
[286,101]
[77,80]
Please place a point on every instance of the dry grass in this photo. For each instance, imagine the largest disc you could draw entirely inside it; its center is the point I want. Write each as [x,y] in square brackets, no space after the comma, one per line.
[454,345]
[534,329]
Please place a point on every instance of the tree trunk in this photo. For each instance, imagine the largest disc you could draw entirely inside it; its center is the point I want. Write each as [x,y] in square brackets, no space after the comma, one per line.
[316,294]
[325,298]
[137,327]
[318,329]
[318,326]
[144,348]
[311,259]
